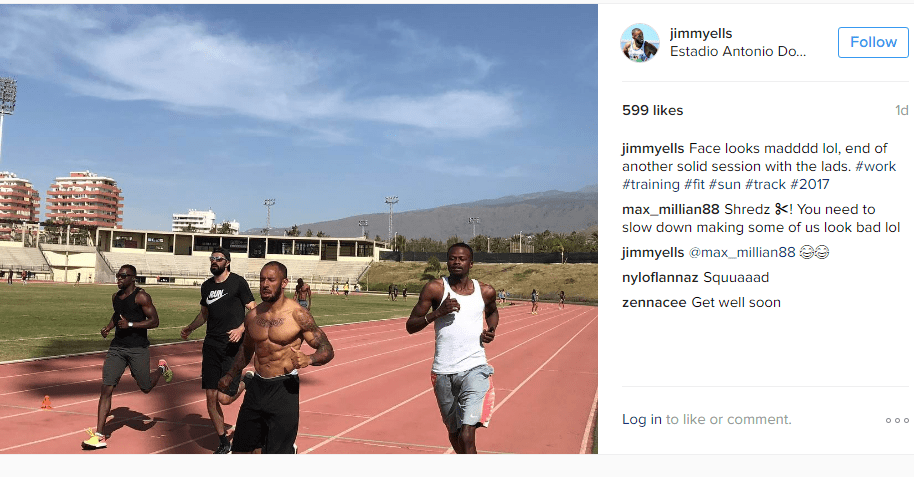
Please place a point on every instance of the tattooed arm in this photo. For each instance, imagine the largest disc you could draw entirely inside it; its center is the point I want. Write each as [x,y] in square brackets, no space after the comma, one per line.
[315,338]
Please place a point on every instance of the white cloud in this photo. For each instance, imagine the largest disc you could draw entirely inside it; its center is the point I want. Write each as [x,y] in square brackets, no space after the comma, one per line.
[459,113]
[422,51]
[187,66]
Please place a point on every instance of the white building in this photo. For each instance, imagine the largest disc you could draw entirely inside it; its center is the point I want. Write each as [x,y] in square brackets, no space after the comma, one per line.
[200,220]
[234,226]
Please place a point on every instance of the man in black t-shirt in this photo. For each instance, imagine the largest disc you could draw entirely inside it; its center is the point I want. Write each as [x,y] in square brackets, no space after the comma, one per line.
[222,307]
[133,314]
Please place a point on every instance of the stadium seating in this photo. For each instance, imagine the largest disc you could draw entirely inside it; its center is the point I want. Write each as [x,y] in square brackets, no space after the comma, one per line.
[22,258]
[321,274]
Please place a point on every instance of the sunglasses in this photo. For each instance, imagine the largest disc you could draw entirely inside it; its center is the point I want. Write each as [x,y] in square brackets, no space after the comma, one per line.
[217,259]
[123,275]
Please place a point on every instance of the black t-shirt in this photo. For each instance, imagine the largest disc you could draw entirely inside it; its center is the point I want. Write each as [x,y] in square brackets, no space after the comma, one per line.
[129,337]
[225,302]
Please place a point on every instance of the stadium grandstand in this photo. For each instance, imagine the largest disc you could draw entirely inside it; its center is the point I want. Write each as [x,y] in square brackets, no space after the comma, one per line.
[14,256]
[182,258]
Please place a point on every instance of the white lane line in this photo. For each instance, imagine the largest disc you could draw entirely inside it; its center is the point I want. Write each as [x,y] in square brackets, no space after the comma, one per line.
[396,406]
[376,416]
[516,389]
[325,394]
[590,423]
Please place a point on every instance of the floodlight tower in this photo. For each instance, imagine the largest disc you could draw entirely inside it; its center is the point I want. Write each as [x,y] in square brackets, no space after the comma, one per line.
[363,223]
[269,203]
[474,221]
[7,102]
[390,226]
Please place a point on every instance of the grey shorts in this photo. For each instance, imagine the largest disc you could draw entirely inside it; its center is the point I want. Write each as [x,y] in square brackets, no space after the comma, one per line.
[303,303]
[119,358]
[465,398]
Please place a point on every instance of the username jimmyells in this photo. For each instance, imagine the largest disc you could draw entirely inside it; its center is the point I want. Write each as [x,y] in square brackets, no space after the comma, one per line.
[703,34]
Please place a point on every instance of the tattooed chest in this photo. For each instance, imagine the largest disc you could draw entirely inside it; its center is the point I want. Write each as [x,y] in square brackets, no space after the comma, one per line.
[269,322]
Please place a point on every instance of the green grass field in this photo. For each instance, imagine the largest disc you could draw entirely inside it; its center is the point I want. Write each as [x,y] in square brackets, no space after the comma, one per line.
[44,319]
[579,281]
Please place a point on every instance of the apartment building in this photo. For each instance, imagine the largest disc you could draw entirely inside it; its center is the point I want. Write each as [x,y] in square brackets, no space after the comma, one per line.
[85,198]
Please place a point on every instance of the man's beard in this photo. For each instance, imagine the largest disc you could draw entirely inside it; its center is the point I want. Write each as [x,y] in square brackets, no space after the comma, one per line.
[218,270]
[270,299]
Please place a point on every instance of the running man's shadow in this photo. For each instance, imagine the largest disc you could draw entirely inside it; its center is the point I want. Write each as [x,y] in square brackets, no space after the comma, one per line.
[200,430]
[124,416]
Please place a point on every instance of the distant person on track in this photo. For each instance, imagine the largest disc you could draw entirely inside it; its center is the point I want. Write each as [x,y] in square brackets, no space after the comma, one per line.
[346,290]
[534,299]
[404,292]
[133,314]
[465,317]
[390,292]
[78,276]
[9,277]
[396,292]
[562,300]
[223,299]
[25,277]
[303,294]
[268,418]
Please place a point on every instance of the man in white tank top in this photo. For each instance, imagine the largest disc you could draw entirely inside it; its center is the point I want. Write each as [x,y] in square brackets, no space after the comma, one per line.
[465,318]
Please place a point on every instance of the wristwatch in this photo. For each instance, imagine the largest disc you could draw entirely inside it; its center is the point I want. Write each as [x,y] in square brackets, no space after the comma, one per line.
[130,324]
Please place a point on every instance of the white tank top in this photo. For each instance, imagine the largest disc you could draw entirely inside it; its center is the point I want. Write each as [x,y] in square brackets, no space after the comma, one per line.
[457,344]
[636,53]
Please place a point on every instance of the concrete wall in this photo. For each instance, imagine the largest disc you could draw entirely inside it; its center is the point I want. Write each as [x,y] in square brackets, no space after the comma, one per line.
[66,263]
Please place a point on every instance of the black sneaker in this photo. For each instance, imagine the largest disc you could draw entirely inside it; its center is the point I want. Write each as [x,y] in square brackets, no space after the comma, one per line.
[224,449]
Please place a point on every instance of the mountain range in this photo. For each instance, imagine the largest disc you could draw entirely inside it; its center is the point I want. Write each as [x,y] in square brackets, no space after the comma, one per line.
[553,210]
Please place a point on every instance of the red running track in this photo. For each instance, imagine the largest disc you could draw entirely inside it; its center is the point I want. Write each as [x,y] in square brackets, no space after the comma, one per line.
[374,397]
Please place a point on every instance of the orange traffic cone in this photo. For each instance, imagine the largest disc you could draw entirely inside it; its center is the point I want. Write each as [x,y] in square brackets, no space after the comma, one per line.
[46,404]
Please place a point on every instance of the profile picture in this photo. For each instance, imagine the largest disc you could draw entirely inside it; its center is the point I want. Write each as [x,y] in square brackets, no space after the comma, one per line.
[640,42]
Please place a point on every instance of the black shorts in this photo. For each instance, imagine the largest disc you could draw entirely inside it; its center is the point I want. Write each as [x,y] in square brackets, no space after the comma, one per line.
[117,360]
[268,417]
[217,361]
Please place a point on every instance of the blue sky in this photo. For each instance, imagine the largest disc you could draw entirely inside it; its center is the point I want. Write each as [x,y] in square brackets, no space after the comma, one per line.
[327,109]
[650,35]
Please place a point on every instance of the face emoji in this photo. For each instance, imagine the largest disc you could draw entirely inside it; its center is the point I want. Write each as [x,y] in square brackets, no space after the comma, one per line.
[821,251]
[806,251]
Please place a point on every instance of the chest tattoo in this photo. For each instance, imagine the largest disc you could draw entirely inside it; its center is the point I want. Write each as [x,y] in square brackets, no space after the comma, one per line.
[270,323]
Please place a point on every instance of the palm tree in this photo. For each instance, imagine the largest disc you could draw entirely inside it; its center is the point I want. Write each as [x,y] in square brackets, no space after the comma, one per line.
[432,268]
[225,228]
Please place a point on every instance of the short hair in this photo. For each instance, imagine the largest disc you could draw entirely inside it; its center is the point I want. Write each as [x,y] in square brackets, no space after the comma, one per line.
[635,29]
[129,267]
[461,244]
[281,267]
[301,282]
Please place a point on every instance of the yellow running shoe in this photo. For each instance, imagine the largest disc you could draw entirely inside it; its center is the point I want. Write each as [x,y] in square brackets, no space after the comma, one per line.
[95,441]
[166,371]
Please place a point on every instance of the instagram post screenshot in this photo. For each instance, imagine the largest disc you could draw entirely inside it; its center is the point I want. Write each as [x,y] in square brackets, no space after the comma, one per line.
[754,173]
